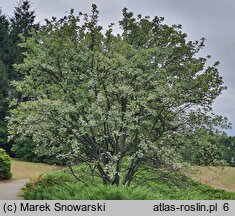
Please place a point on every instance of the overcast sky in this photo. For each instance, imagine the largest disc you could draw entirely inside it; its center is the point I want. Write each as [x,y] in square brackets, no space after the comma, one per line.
[212,19]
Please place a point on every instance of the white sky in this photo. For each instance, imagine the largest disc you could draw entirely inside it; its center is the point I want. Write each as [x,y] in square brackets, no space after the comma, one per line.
[212,19]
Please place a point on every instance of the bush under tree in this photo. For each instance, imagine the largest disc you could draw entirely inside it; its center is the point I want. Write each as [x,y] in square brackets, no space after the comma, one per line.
[26,149]
[5,165]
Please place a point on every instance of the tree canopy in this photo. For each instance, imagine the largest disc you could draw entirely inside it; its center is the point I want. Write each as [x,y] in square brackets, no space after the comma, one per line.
[227,145]
[118,102]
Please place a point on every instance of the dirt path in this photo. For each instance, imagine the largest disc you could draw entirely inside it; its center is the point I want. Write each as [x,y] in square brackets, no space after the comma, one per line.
[9,190]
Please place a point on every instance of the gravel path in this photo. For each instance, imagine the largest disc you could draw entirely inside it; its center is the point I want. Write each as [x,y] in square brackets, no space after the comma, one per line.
[10,190]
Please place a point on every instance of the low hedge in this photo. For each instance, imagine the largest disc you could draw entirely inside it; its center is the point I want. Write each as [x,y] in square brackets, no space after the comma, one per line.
[5,165]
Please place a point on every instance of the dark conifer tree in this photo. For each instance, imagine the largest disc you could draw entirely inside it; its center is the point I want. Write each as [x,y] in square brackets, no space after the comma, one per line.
[4,26]
[4,39]
[11,53]
[21,23]
[3,104]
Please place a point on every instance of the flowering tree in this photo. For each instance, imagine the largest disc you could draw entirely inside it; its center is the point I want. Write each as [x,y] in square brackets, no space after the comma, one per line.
[111,100]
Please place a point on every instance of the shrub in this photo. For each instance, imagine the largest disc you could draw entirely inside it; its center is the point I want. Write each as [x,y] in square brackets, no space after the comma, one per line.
[25,149]
[4,144]
[5,165]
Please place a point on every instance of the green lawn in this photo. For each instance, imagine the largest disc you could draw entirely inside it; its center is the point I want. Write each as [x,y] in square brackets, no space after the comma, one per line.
[28,170]
[61,185]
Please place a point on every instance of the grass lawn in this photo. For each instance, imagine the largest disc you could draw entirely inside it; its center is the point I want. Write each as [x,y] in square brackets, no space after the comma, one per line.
[60,185]
[217,177]
[28,170]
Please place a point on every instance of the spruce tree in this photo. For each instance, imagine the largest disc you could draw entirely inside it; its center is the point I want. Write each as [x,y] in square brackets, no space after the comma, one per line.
[21,24]
[4,26]
[11,53]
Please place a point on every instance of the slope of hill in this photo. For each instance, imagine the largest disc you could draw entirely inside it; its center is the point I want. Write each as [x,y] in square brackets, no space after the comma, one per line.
[217,177]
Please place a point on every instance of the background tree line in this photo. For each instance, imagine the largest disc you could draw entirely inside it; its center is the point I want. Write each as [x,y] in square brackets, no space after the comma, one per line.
[11,29]
[21,22]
